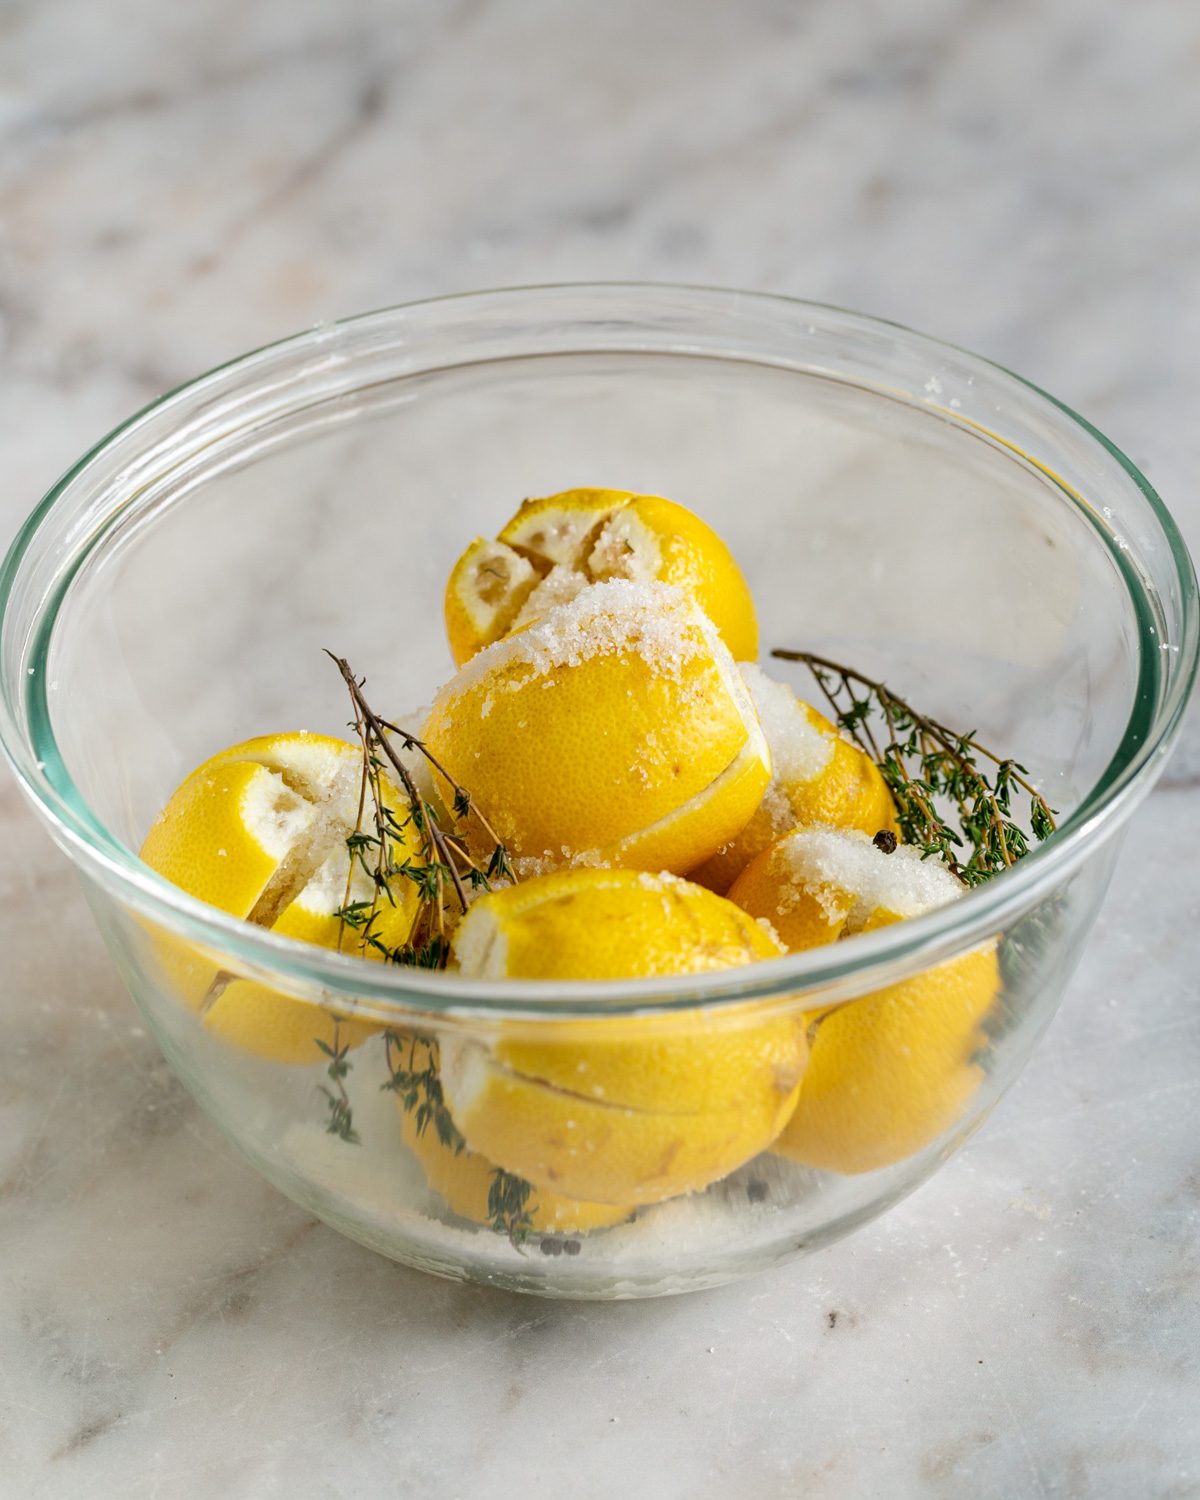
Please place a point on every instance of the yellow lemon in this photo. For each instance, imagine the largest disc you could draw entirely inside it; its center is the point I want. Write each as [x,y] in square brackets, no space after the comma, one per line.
[614,730]
[817,777]
[889,1073]
[619,1111]
[259,830]
[892,1072]
[555,546]
[464,1179]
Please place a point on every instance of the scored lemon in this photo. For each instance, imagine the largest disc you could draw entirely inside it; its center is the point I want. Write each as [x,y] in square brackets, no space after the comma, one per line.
[818,777]
[890,1072]
[615,730]
[259,830]
[464,1179]
[619,1110]
[557,545]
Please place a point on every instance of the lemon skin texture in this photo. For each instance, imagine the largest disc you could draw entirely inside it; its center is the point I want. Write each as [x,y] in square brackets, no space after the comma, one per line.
[258,831]
[622,1110]
[557,544]
[846,792]
[614,731]
[890,1073]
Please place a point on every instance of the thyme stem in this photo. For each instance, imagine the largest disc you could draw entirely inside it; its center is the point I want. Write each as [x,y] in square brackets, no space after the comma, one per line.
[445,861]
[922,760]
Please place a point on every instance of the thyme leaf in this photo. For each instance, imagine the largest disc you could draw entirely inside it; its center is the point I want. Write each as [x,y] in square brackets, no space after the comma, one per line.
[341,1114]
[442,869]
[928,767]
[509,1206]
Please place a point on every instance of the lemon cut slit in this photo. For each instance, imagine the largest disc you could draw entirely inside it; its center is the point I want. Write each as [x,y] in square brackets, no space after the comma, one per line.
[259,831]
[555,546]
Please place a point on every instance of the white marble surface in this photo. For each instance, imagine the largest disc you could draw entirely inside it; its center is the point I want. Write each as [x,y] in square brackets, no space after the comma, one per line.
[178,183]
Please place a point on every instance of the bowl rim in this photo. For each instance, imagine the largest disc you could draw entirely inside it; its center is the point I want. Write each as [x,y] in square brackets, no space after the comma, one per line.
[390,992]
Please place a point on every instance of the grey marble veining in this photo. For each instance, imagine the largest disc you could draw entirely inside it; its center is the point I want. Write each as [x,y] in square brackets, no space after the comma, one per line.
[179,183]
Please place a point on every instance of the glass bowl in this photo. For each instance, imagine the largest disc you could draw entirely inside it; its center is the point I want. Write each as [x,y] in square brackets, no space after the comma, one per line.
[894,502]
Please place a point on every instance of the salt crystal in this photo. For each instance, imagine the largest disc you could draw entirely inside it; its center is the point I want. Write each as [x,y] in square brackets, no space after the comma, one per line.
[654,621]
[833,864]
[799,751]
[560,586]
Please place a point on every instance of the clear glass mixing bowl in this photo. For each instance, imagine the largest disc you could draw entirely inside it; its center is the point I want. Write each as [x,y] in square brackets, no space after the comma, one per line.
[893,501]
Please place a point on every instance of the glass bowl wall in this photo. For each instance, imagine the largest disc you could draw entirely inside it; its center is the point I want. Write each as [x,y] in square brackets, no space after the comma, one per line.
[895,504]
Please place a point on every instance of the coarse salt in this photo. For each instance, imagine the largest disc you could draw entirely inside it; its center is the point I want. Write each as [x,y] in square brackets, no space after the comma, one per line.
[848,875]
[653,621]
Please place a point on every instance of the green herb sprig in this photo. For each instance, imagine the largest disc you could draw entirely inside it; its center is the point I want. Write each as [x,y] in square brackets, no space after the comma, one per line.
[509,1206]
[412,1062]
[444,870]
[341,1113]
[924,763]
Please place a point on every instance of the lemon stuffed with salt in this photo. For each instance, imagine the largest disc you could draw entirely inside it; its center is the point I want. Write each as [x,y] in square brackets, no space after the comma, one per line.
[619,1110]
[259,831]
[817,777]
[555,546]
[613,730]
[888,1073]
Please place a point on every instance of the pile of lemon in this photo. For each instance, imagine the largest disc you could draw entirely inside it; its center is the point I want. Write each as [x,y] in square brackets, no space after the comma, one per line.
[669,810]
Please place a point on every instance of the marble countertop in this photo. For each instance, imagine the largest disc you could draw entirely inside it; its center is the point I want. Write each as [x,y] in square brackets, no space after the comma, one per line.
[179,183]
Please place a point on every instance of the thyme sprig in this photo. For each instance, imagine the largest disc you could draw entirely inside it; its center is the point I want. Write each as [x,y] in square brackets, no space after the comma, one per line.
[412,1064]
[926,767]
[341,1113]
[509,1206]
[445,869]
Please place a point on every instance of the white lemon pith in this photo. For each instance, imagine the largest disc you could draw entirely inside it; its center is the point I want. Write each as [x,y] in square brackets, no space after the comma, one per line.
[259,831]
[892,1071]
[621,1111]
[818,777]
[555,546]
[615,730]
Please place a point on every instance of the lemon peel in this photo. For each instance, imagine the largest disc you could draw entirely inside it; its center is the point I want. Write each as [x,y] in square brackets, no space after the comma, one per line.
[556,545]
[892,1071]
[818,777]
[613,730]
[620,1111]
[464,1179]
[259,831]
